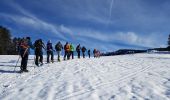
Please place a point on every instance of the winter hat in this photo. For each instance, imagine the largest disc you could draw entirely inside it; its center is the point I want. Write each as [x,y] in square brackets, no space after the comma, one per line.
[49,41]
[28,38]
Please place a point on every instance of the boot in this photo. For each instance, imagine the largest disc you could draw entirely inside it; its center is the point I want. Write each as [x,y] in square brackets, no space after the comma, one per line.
[25,70]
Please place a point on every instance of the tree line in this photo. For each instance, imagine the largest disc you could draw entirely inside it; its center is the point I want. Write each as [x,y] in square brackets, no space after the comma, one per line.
[7,45]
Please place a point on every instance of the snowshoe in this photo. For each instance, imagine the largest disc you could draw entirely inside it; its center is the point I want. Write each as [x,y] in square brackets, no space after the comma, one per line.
[59,60]
[41,64]
[26,70]
[37,65]
[21,71]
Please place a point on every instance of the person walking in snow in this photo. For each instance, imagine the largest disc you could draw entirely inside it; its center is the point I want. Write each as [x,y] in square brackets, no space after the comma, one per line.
[94,53]
[89,53]
[50,52]
[83,51]
[67,51]
[98,53]
[72,51]
[24,50]
[78,49]
[58,48]
[39,45]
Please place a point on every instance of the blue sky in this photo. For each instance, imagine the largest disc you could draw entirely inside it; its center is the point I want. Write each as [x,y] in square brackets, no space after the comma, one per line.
[107,25]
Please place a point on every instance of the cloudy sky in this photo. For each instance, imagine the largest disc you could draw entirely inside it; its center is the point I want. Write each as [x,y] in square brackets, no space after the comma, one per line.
[107,25]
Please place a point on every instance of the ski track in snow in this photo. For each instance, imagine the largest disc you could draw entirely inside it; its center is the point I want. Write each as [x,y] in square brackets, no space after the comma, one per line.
[124,77]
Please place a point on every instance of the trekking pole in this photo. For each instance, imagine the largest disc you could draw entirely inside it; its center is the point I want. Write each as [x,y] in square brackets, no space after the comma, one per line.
[25,52]
[34,62]
[17,63]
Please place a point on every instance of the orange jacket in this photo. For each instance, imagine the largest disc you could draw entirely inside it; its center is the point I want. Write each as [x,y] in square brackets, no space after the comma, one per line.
[67,47]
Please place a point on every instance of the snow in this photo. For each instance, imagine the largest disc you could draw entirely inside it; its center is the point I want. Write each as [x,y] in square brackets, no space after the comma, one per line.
[124,77]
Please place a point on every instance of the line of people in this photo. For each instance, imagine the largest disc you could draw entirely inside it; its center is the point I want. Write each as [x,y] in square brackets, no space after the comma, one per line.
[38,46]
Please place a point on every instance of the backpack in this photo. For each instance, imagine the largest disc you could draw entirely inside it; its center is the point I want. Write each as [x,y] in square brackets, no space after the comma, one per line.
[23,46]
[49,47]
[89,51]
[71,47]
[38,45]
[67,47]
[78,48]
[58,47]
[83,49]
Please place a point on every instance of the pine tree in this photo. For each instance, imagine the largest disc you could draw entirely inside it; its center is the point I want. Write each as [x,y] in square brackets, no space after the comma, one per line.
[168,43]
[6,44]
[4,40]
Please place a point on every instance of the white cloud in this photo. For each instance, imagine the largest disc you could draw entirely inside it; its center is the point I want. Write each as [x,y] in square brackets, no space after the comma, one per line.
[130,38]
[65,29]
[34,23]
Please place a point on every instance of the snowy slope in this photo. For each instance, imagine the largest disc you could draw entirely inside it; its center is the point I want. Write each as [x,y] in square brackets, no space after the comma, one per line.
[127,77]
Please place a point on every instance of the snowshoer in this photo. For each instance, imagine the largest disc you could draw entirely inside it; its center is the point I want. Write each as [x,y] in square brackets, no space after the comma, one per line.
[39,45]
[78,49]
[24,49]
[72,51]
[89,53]
[98,53]
[94,53]
[50,52]
[67,51]
[58,48]
[83,51]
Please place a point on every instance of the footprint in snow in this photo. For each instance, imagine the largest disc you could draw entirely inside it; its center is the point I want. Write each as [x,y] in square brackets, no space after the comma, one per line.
[134,98]
[6,85]
[112,97]
[167,93]
[168,79]
[21,89]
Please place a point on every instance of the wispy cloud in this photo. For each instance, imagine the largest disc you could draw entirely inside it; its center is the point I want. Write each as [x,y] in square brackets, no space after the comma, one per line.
[31,20]
[131,38]
[110,13]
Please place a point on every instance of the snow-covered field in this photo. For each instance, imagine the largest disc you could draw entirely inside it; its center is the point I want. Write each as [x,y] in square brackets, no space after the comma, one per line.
[127,77]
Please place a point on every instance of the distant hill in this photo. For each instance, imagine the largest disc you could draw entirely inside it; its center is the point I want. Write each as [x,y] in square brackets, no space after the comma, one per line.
[132,51]
[123,51]
[160,49]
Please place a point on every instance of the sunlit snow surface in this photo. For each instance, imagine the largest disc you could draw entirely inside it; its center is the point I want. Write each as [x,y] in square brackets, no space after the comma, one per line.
[126,77]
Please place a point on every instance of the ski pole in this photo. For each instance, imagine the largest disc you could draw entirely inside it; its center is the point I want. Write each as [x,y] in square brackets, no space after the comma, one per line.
[17,62]
[34,62]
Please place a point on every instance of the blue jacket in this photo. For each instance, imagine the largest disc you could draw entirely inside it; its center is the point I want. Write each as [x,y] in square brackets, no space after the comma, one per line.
[30,46]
